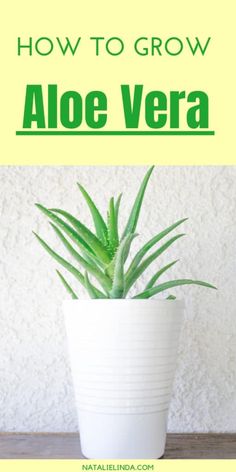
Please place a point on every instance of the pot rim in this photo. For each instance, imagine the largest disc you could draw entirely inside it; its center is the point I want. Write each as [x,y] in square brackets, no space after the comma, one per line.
[139,301]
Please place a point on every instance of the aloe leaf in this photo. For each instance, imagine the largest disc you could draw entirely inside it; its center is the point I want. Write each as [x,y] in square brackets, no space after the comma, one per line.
[99,223]
[110,268]
[117,205]
[118,286]
[92,259]
[171,297]
[60,259]
[84,247]
[142,252]
[90,238]
[113,239]
[131,277]
[67,286]
[104,281]
[134,215]
[77,274]
[89,287]
[158,274]
[172,283]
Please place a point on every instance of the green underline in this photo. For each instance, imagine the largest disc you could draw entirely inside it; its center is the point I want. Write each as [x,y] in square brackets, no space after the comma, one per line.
[115,133]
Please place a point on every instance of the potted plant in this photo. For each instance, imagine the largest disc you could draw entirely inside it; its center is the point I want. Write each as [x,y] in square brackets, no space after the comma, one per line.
[122,350]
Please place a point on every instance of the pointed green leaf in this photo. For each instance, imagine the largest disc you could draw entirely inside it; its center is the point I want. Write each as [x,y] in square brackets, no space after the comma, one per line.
[95,244]
[104,281]
[158,274]
[142,252]
[171,297]
[84,247]
[131,277]
[118,285]
[117,205]
[67,286]
[134,215]
[117,209]
[89,287]
[113,239]
[110,268]
[77,274]
[99,223]
[172,283]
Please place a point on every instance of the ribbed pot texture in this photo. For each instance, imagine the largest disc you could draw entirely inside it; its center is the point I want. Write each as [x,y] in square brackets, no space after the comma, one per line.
[123,357]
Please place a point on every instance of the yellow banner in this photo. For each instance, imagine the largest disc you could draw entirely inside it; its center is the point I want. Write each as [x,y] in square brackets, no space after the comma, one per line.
[117,466]
[103,466]
[150,44]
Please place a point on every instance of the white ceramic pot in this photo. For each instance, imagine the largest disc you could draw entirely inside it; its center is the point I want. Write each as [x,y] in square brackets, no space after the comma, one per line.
[123,358]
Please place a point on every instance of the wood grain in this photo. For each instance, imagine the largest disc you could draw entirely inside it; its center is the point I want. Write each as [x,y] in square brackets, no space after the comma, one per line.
[67,446]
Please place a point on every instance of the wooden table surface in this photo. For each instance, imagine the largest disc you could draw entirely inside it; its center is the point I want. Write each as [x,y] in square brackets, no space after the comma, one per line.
[67,446]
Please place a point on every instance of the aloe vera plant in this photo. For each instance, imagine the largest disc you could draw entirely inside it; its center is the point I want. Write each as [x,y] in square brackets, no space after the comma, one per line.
[102,255]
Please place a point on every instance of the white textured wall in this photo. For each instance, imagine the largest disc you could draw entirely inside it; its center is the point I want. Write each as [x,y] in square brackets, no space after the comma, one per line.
[35,388]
